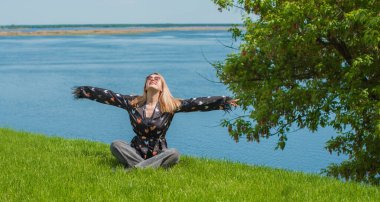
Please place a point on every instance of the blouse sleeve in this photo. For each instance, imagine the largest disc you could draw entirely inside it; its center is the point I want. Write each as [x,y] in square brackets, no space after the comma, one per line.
[103,96]
[205,104]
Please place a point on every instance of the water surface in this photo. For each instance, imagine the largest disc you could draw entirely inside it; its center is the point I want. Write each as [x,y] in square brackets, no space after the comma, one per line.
[37,74]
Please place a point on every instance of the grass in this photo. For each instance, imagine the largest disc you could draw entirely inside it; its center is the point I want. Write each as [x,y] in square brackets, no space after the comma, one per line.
[41,168]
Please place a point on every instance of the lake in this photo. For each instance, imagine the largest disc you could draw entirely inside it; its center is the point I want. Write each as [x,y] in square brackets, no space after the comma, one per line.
[38,73]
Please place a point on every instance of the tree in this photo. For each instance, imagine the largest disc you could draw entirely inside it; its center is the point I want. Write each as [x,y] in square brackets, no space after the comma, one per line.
[309,64]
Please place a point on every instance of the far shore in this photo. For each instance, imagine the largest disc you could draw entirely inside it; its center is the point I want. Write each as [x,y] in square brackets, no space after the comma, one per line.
[109,31]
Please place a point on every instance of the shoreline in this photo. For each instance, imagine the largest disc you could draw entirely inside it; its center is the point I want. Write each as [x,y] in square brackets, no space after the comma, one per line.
[110,31]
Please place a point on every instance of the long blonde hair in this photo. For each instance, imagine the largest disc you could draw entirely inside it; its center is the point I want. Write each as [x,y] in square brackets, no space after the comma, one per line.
[167,102]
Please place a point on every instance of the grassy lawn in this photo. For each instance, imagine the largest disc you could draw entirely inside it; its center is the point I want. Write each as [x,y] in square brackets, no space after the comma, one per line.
[41,168]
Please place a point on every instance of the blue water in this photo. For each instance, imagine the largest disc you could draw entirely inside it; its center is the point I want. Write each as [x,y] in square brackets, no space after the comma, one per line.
[31,28]
[37,74]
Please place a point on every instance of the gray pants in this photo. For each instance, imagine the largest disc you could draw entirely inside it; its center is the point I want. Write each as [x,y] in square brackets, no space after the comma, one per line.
[129,157]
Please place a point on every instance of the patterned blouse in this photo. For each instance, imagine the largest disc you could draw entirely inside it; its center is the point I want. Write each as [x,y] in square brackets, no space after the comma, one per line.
[150,131]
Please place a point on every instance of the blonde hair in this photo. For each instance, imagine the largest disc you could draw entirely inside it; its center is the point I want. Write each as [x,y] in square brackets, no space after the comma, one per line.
[167,102]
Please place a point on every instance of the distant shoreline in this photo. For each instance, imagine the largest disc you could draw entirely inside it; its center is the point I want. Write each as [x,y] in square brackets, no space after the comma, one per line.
[95,31]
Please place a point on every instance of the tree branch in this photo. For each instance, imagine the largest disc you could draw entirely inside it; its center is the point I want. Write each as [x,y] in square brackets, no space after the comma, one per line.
[340,46]
[227,46]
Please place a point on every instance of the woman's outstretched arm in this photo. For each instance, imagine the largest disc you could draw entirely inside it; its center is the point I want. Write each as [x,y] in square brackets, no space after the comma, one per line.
[102,95]
[207,104]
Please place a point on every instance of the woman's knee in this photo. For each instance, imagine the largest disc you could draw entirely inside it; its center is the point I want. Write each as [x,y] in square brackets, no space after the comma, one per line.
[116,145]
[174,153]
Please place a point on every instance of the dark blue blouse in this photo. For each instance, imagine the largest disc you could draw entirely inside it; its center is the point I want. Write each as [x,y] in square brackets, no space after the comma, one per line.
[150,131]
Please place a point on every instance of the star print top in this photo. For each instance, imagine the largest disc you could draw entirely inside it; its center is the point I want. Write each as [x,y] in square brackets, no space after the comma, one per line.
[150,131]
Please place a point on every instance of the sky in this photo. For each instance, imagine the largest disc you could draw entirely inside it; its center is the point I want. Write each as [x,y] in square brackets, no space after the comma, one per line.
[25,12]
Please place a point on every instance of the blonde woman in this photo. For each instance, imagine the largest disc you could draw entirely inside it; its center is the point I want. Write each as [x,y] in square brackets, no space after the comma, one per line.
[150,115]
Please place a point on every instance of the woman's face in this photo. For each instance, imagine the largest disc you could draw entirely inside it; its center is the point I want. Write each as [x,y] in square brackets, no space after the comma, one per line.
[153,81]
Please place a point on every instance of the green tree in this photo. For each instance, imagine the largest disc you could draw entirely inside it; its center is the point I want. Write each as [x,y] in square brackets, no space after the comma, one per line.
[309,64]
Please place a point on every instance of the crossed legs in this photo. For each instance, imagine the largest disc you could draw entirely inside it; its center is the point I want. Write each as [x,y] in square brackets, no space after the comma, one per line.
[129,157]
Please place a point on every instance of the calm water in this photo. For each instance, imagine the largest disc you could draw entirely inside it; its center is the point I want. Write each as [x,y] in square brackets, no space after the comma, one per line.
[28,28]
[37,74]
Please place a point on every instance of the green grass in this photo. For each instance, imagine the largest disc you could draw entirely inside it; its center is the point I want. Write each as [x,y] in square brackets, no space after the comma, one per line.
[41,168]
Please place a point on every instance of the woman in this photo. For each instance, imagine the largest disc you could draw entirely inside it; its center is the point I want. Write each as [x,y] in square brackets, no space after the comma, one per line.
[150,116]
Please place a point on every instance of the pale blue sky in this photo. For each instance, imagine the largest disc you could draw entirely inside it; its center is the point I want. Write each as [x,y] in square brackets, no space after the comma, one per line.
[113,11]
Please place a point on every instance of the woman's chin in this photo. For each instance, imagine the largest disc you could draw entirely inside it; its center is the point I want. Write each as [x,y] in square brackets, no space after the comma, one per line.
[153,88]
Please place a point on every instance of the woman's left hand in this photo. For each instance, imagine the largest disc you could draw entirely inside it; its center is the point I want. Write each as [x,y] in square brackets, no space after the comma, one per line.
[233,102]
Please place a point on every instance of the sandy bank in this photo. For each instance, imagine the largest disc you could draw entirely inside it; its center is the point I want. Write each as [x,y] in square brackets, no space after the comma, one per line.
[106,31]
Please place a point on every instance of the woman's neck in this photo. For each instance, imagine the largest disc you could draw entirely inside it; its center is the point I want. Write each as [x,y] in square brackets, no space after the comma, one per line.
[152,97]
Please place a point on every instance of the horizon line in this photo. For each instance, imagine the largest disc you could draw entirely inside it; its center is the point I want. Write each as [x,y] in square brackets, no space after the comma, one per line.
[120,24]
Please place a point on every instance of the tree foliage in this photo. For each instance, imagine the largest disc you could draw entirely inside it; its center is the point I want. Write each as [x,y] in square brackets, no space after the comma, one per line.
[309,64]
